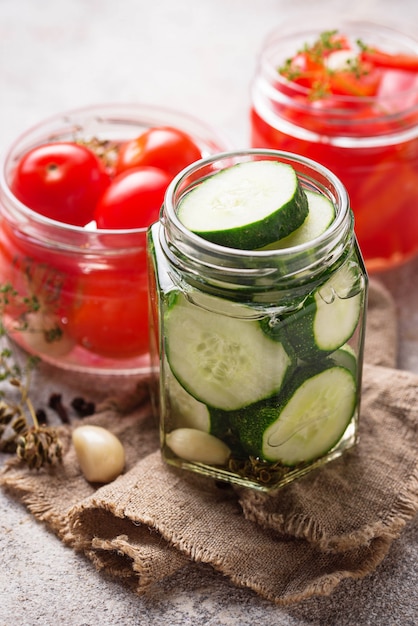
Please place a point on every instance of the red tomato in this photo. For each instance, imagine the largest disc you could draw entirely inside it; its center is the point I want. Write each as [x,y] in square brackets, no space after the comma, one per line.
[399,61]
[109,317]
[164,147]
[348,83]
[304,62]
[133,199]
[61,180]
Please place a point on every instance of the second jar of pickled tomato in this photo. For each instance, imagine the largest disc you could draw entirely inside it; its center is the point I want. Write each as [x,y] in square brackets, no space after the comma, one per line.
[347,97]
[75,293]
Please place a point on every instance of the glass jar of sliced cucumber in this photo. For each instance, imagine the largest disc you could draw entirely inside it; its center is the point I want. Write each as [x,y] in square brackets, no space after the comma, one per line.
[258,295]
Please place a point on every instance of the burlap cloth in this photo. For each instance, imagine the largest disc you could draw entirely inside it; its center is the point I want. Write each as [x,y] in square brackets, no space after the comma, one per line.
[336,523]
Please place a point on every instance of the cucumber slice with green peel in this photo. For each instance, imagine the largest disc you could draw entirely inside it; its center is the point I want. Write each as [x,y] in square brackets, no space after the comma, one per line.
[224,362]
[320,216]
[309,420]
[185,410]
[329,316]
[346,357]
[338,306]
[246,206]
[314,419]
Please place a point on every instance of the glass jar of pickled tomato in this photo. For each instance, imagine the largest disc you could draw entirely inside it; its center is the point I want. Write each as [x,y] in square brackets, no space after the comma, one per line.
[260,350]
[347,97]
[76,295]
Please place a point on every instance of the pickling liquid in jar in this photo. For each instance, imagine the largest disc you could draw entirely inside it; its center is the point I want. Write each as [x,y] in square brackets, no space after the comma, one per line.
[369,141]
[259,351]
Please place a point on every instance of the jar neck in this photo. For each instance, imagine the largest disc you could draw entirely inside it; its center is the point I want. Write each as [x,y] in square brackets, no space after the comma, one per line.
[220,269]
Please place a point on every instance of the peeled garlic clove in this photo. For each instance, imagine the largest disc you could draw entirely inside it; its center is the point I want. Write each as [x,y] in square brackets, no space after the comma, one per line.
[100,454]
[197,446]
[341,60]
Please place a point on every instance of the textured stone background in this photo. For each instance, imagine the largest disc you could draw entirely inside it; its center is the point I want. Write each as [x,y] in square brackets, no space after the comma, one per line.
[198,56]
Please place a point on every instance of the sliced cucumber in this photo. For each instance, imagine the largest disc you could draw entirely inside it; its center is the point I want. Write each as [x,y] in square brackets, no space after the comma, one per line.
[246,206]
[338,305]
[346,357]
[185,410]
[309,420]
[223,362]
[328,317]
[321,214]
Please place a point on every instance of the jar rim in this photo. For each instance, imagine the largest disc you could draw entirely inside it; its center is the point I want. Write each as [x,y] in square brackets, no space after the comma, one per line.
[184,246]
[294,33]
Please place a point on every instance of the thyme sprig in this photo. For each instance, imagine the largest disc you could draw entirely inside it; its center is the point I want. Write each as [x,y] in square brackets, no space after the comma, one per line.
[20,431]
[317,53]
[35,443]
[326,42]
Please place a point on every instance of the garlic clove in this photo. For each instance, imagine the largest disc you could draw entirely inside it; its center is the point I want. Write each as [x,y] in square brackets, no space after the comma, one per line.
[100,453]
[341,60]
[197,446]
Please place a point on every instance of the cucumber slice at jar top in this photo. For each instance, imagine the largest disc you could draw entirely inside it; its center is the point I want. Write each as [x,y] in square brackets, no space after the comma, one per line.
[247,206]
[321,214]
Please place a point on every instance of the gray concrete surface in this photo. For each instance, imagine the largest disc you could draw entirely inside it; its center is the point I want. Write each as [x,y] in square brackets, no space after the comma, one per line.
[198,56]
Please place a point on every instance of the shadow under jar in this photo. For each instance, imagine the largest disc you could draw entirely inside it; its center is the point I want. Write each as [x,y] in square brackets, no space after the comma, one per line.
[360,121]
[78,296]
[260,351]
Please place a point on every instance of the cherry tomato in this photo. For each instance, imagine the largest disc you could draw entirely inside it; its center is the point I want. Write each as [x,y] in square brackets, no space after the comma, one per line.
[133,199]
[61,180]
[109,316]
[167,148]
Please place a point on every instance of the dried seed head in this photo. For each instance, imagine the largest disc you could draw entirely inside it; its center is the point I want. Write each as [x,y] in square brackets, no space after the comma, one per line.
[7,413]
[39,446]
[20,425]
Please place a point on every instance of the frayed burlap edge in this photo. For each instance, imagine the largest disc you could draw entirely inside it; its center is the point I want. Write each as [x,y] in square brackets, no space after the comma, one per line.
[266,579]
[303,527]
